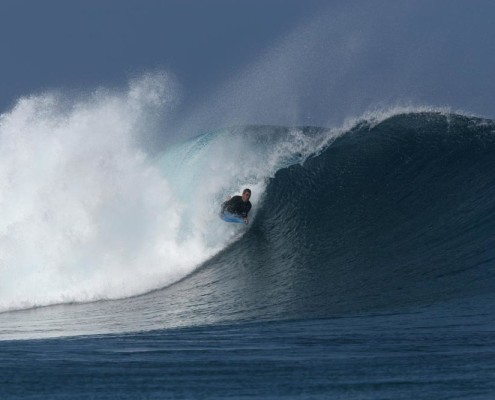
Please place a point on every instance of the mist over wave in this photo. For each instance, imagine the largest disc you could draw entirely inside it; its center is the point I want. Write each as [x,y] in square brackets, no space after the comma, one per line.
[349,58]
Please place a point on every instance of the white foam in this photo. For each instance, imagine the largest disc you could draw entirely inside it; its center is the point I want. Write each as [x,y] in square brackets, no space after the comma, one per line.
[86,214]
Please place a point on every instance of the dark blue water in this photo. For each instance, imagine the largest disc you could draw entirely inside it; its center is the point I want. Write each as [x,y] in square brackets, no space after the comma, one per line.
[368,273]
[440,352]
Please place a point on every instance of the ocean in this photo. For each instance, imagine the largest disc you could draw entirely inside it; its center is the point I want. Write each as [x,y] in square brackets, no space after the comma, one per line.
[366,271]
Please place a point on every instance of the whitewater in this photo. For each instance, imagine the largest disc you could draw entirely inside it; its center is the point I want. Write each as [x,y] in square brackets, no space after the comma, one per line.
[88,215]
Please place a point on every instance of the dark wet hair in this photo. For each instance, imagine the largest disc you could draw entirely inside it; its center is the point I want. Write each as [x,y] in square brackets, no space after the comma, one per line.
[246,190]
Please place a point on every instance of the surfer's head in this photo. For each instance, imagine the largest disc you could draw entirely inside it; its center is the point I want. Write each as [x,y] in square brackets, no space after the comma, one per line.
[246,194]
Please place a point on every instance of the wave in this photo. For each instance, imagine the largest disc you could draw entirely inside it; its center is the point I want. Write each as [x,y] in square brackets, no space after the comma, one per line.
[391,213]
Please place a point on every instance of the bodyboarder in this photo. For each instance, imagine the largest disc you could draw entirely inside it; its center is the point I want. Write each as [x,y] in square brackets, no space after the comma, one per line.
[236,208]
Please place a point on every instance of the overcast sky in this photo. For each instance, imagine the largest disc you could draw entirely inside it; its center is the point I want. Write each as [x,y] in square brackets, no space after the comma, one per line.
[257,61]
[67,43]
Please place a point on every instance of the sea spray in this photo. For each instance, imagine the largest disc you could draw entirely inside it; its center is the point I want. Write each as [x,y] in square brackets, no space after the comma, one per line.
[85,214]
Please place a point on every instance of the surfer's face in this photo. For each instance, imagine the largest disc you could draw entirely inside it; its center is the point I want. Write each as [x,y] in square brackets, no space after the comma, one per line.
[246,196]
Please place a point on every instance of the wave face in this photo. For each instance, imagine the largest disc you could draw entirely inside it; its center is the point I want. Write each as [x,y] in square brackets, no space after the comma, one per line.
[394,214]
[388,214]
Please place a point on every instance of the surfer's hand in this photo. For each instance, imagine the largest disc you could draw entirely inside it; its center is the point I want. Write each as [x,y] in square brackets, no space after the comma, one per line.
[246,221]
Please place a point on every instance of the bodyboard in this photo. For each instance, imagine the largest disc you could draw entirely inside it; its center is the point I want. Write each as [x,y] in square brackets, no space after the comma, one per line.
[229,217]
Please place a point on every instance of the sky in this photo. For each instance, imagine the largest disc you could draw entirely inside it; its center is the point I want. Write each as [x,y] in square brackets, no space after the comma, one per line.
[309,62]
[83,44]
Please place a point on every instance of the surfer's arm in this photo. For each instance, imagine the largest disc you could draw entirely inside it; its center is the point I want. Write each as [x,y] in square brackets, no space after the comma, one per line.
[247,208]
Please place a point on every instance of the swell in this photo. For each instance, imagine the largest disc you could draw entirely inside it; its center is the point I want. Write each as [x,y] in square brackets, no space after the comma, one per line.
[390,215]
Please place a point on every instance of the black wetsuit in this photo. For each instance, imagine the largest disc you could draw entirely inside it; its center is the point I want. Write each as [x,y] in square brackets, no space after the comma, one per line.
[237,206]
